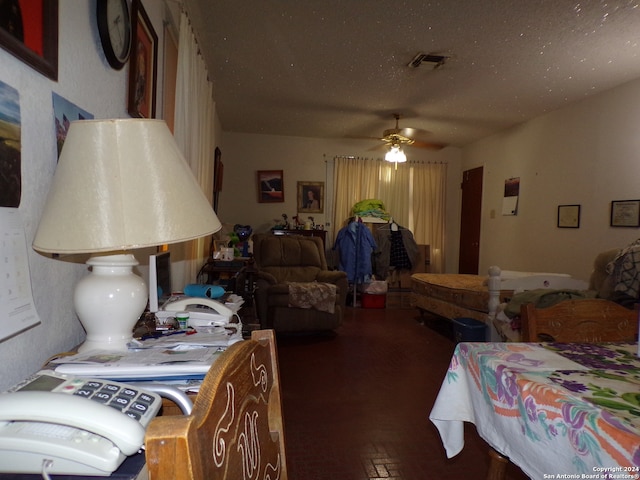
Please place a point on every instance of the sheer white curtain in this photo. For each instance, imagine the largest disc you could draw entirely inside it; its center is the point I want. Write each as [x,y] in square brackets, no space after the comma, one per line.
[428,209]
[194,132]
[414,194]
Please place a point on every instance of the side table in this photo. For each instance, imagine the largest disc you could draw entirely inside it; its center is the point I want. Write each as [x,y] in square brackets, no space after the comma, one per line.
[223,272]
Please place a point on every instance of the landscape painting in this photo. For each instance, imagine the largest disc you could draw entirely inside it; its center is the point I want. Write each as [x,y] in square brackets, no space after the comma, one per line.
[270,186]
[10,147]
[65,112]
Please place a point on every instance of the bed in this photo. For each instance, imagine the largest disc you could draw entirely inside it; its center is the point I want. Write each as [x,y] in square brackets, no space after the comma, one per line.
[479,296]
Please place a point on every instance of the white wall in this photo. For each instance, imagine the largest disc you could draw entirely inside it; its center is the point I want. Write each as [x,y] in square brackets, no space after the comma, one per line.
[84,78]
[304,159]
[587,153]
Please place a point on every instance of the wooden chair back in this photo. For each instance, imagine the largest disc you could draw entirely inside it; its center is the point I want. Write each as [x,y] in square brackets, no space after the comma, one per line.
[579,321]
[235,430]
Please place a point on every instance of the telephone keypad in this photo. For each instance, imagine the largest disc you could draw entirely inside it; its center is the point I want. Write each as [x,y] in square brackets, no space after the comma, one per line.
[121,397]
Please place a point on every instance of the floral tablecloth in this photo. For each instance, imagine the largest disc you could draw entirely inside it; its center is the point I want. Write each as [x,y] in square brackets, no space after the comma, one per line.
[554,409]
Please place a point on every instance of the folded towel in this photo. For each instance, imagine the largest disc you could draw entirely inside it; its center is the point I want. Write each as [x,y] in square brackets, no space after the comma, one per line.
[316,295]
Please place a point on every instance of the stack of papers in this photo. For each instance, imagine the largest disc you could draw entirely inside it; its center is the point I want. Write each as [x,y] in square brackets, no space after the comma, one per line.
[234,302]
[171,357]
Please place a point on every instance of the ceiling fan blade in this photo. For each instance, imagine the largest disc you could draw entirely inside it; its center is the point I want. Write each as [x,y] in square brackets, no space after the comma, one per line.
[413,132]
[362,137]
[379,148]
[428,145]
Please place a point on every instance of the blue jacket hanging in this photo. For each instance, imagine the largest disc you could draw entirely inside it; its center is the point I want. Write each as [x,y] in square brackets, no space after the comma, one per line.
[355,244]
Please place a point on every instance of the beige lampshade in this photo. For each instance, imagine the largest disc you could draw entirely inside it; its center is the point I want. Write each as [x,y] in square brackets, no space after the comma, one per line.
[119,185]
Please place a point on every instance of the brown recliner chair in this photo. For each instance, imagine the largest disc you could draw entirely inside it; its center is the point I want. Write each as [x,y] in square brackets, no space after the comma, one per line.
[281,260]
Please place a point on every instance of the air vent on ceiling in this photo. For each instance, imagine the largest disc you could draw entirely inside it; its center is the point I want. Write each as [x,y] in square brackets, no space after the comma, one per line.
[432,59]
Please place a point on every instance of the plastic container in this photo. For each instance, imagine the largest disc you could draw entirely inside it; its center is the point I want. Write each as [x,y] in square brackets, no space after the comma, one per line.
[204,291]
[183,319]
[469,330]
[374,300]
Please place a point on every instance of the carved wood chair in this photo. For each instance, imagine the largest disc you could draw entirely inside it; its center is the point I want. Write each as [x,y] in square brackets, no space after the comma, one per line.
[235,430]
[585,320]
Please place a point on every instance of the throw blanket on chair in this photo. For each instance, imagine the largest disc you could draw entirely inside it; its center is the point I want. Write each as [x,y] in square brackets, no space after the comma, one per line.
[625,269]
[317,295]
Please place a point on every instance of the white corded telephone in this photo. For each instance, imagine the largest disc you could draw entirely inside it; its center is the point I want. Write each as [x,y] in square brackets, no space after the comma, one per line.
[203,312]
[55,424]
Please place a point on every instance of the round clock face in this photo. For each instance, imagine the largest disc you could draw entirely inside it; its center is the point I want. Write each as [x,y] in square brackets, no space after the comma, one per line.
[114,26]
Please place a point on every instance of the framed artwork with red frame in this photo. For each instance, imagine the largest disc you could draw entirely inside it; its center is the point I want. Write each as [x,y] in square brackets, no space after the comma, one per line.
[270,186]
[29,30]
[142,64]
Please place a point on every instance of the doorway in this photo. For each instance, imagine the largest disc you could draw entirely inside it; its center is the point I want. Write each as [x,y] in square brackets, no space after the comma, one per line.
[469,257]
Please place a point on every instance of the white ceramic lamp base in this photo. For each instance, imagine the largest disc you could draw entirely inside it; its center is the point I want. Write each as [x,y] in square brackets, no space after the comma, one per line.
[109,302]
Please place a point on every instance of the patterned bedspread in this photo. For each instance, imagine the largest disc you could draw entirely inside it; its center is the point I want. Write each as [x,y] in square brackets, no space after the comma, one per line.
[448,295]
[476,283]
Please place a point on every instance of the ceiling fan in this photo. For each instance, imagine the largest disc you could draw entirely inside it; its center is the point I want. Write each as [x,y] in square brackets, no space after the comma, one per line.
[398,137]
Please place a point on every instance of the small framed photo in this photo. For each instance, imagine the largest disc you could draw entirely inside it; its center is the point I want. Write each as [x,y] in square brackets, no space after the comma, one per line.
[270,186]
[568,216]
[216,248]
[311,197]
[625,213]
[142,64]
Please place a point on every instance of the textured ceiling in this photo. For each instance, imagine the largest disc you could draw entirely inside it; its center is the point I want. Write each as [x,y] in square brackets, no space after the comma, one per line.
[338,68]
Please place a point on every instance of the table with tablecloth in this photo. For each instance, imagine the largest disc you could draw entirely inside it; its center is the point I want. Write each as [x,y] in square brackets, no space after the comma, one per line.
[551,408]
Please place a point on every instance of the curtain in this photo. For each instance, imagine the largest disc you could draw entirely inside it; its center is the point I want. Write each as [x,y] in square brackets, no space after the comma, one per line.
[194,132]
[413,194]
[428,209]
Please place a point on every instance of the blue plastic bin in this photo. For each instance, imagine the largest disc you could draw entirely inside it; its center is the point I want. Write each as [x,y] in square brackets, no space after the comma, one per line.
[469,330]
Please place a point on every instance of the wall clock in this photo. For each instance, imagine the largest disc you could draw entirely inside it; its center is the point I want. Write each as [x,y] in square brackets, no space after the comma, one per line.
[114,27]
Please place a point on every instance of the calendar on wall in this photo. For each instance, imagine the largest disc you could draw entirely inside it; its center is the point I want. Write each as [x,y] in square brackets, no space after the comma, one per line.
[17,310]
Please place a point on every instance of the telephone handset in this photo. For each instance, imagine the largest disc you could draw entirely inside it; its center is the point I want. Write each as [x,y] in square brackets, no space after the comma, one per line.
[203,312]
[73,426]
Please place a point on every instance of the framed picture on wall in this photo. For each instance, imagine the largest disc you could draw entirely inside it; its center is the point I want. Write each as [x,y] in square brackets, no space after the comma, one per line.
[270,186]
[625,213]
[311,197]
[142,64]
[29,30]
[568,216]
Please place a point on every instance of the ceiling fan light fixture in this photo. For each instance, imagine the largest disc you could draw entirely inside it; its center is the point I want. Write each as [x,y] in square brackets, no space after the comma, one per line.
[395,155]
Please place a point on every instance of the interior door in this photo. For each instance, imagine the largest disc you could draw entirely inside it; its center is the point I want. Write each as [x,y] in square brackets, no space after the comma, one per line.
[469,256]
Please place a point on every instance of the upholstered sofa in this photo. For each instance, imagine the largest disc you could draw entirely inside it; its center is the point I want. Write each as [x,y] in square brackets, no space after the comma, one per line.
[285,262]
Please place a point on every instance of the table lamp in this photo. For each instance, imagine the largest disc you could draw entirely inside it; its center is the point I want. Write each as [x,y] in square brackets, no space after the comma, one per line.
[119,185]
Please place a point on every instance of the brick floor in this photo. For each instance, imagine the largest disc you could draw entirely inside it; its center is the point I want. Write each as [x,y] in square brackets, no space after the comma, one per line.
[356,402]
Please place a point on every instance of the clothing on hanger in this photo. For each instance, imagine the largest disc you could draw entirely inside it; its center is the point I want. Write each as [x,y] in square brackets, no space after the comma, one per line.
[398,256]
[396,249]
[355,245]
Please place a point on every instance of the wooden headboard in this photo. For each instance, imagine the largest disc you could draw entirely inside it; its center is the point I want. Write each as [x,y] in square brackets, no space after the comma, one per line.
[585,320]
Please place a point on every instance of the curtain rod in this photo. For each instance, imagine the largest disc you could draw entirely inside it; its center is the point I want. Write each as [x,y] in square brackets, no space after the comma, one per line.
[355,157]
